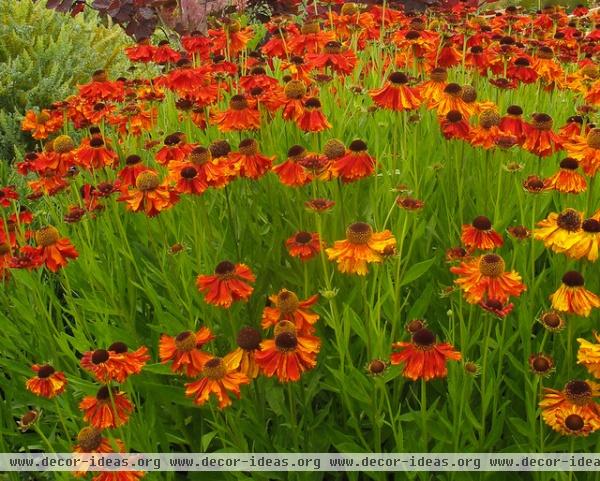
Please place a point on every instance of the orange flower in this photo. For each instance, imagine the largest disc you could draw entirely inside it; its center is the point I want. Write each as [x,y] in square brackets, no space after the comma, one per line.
[48,383]
[287,307]
[423,358]
[432,91]
[587,241]
[484,277]
[576,421]
[587,151]
[53,250]
[95,155]
[244,357]
[556,405]
[108,409]
[90,440]
[230,283]
[291,172]
[42,124]
[312,118]
[289,354]
[114,363]
[567,180]
[304,245]
[239,116]
[361,247]
[487,133]
[572,297]
[451,99]
[513,124]
[249,162]
[175,149]
[480,235]
[189,182]
[355,164]
[149,195]
[334,57]
[219,378]
[539,137]
[559,231]
[396,94]
[454,126]
[133,167]
[588,355]
[185,351]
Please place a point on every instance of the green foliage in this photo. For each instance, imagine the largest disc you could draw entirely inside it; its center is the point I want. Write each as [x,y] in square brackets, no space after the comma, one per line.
[43,54]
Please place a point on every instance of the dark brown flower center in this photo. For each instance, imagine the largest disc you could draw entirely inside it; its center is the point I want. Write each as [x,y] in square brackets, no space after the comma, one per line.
[482,223]
[248,147]
[248,338]
[46,371]
[312,103]
[96,142]
[185,341]
[238,102]
[286,341]
[296,152]
[103,393]
[303,237]
[574,422]
[99,356]
[454,116]
[551,320]
[573,279]
[423,339]
[118,347]
[398,78]
[133,159]
[172,139]
[541,364]
[200,155]
[453,89]
[225,269]
[542,122]
[578,392]
[439,74]
[358,146]
[591,225]
[376,366]
[189,172]
[359,233]
[219,148]
[514,110]
[215,369]
[569,164]
[569,220]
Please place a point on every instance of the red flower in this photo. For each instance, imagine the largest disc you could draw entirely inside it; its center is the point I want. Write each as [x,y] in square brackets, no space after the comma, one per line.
[185,352]
[423,358]
[304,245]
[107,409]
[53,250]
[230,283]
[355,164]
[396,94]
[48,382]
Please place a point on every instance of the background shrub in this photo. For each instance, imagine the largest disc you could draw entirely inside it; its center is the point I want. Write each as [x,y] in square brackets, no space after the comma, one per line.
[43,55]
